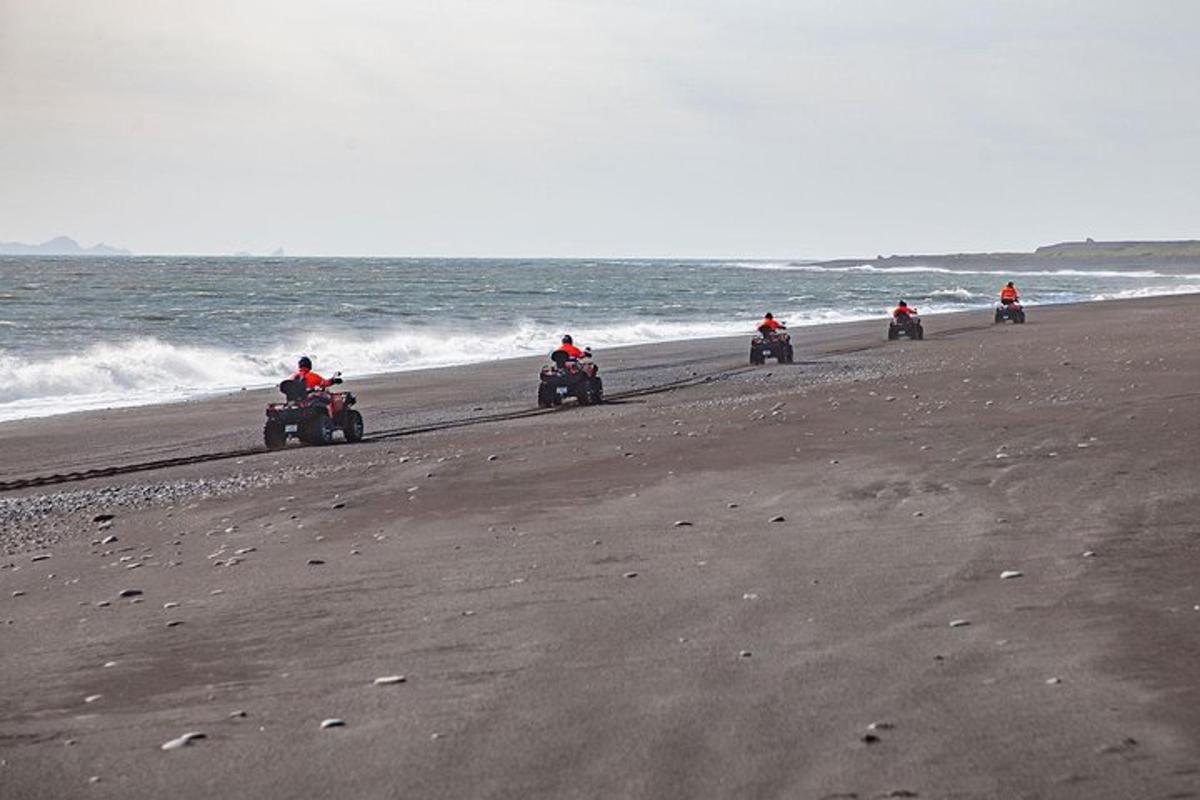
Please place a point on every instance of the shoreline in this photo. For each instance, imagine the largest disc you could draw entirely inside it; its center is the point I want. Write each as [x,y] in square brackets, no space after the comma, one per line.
[717,340]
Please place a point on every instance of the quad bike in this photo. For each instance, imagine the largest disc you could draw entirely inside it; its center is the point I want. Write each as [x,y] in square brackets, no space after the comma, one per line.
[570,377]
[1010,312]
[770,343]
[905,325]
[312,416]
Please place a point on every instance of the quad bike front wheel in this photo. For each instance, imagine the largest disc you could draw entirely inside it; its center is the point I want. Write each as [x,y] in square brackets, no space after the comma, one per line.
[353,427]
[274,435]
[756,355]
[595,392]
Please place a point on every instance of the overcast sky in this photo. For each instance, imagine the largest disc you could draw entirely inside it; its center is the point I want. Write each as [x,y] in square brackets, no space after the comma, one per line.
[723,128]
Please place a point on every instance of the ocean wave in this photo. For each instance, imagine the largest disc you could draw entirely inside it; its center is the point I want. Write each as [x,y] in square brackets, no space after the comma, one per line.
[957,293]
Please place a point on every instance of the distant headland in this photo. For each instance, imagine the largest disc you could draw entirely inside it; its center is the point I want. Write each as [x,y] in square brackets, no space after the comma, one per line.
[59,246]
[1050,253]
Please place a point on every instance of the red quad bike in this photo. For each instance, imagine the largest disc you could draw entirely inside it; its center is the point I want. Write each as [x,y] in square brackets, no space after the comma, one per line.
[906,325]
[569,377]
[311,416]
[770,343]
[1012,312]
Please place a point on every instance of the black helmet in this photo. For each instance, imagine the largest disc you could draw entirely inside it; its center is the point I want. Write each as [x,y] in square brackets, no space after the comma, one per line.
[903,303]
[1010,284]
[305,362]
[770,315]
[567,339]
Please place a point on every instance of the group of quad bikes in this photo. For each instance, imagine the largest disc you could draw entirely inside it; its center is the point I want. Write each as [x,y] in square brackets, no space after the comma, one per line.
[315,416]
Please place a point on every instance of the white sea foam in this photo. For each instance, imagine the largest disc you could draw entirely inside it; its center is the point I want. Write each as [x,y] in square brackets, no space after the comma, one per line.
[923,269]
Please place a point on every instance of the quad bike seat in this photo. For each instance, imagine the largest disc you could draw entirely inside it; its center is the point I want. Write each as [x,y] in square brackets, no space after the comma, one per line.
[294,390]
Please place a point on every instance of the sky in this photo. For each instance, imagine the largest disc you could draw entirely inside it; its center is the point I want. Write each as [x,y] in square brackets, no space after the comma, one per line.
[593,128]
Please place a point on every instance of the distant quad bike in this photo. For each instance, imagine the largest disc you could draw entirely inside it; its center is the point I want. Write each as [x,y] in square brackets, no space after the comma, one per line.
[770,343]
[313,417]
[1010,312]
[569,377]
[905,325]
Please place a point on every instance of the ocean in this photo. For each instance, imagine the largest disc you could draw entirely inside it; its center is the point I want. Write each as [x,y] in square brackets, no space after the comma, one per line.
[88,333]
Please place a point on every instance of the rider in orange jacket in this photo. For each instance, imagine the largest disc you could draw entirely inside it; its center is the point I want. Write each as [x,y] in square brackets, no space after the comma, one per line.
[903,308]
[312,380]
[1008,295]
[771,323]
[568,347]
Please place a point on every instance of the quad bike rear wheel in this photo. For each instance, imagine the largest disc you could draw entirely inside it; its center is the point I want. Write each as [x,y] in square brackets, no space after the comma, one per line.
[274,435]
[319,430]
[919,333]
[353,427]
[546,395]
[756,355]
[595,392]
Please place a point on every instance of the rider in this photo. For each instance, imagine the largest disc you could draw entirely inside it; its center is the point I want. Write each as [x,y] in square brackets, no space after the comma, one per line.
[312,380]
[904,309]
[1008,295]
[568,347]
[770,324]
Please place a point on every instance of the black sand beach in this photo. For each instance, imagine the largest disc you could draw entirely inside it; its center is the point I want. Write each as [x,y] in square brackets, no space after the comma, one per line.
[964,567]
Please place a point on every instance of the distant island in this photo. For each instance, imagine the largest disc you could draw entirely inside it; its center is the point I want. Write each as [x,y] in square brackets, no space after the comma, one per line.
[1089,248]
[60,246]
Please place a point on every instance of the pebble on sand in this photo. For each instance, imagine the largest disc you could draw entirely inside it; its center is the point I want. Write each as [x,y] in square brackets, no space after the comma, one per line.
[91,698]
[631,574]
[1089,553]
[959,623]
[389,680]
[183,741]
[315,562]
[1008,574]
[778,518]
[130,593]
[40,557]
[1053,681]
[110,539]
[682,523]
[745,654]
[103,517]
[326,724]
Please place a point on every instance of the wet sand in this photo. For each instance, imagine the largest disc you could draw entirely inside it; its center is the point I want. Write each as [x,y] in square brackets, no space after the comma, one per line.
[561,630]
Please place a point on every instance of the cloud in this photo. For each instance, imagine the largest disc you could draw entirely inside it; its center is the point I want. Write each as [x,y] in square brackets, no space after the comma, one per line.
[563,127]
